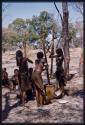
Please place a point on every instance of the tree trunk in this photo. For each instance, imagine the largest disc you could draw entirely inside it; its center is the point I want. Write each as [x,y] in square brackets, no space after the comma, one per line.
[44,49]
[52,52]
[81,65]
[65,37]
[24,45]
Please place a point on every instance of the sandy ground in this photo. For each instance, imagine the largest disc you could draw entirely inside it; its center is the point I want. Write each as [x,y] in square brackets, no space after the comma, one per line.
[69,109]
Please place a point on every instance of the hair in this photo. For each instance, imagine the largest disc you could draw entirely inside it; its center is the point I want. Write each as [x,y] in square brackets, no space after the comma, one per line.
[4,69]
[40,55]
[30,71]
[37,61]
[59,52]
[16,70]
[18,54]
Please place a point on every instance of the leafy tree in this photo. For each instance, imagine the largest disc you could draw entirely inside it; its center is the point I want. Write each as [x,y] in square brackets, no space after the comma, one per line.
[41,24]
[18,25]
[72,34]
[9,37]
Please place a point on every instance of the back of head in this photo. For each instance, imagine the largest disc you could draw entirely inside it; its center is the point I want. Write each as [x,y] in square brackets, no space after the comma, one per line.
[59,52]
[4,69]
[40,55]
[16,70]
[19,54]
[37,62]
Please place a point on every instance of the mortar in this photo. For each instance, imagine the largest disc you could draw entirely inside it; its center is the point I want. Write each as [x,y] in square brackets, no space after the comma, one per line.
[50,91]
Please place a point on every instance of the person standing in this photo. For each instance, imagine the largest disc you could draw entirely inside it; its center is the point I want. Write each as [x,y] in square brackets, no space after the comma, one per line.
[59,74]
[24,75]
[40,66]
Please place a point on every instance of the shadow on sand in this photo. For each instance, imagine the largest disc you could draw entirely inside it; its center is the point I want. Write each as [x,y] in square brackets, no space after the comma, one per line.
[7,107]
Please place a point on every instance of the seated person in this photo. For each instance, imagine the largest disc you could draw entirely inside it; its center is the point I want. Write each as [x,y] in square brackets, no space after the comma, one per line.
[5,80]
[15,79]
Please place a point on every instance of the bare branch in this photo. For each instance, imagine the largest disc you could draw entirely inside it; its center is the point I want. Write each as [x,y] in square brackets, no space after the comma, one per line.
[58,12]
[79,9]
[4,7]
[78,6]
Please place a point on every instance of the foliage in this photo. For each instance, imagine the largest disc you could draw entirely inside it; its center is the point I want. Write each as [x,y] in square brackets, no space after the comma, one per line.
[72,31]
[18,25]
[42,24]
[9,39]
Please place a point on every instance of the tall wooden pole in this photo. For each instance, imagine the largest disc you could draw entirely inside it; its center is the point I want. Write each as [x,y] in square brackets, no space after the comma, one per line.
[65,37]
[52,52]
[44,49]
[24,44]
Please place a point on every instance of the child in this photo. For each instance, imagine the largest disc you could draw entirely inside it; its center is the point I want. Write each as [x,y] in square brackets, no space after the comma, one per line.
[5,80]
[15,79]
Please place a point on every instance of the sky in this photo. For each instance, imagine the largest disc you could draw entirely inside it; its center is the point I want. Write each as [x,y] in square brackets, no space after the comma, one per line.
[28,9]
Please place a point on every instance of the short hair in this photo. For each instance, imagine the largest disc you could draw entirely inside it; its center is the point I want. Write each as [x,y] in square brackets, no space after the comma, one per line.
[40,55]
[16,70]
[19,53]
[4,69]
[59,52]
[37,61]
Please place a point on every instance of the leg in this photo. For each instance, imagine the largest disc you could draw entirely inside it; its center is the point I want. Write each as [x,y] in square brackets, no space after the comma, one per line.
[23,98]
[37,97]
[41,99]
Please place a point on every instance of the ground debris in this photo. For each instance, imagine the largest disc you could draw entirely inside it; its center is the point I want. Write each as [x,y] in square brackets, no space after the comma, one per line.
[58,111]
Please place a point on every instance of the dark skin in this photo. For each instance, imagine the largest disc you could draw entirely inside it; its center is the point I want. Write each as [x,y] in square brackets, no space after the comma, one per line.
[23,64]
[5,74]
[23,74]
[59,59]
[59,70]
[15,79]
[40,58]
[5,80]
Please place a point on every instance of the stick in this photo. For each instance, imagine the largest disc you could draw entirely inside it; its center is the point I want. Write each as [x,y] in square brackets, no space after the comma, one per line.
[52,52]
[45,60]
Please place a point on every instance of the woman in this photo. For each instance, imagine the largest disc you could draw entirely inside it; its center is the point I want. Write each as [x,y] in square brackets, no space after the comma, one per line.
[24,75]
[59,74]
[37,77]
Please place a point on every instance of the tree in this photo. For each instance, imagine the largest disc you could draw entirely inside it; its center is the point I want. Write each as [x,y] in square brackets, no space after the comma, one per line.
[41,24]
[78,6]
[72,34]
[4,9]
[8,38]
[66,37]
[18,25]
